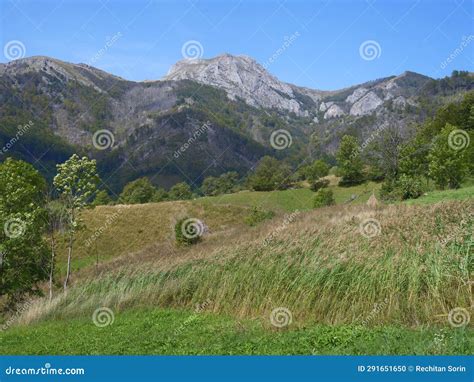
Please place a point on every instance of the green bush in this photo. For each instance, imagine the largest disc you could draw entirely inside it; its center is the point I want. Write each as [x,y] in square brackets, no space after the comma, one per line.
[102,198]
[410,187]
[318,184]
[405,187]
[188,231]
[139,191]
[324,197]
[180,191]
[270,175]
[258,215]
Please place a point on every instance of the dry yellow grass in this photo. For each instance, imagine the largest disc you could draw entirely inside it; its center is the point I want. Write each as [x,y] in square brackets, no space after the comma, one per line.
[318,264]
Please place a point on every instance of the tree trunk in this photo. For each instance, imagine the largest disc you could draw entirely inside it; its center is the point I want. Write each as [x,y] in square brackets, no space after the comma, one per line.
[69,248]
[51,270]
[69,255]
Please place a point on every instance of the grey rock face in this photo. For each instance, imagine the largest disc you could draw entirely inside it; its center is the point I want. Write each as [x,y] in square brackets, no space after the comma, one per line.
[366,104]
[358,93]
[333,112]
[239,76]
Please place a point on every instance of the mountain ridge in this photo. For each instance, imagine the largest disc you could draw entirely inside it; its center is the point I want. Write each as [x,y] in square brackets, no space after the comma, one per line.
[149,120]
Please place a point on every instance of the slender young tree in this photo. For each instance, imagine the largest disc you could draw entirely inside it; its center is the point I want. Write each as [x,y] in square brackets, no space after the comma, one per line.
[76,182]
[56,220]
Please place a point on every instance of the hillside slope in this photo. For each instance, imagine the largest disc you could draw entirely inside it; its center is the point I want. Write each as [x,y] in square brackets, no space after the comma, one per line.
[206,117]
[344,279]
[329,265]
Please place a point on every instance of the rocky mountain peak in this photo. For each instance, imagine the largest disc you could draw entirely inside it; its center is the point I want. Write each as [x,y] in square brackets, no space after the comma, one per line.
[241,77]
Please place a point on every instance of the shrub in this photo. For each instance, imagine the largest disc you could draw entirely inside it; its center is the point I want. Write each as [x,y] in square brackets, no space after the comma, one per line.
[258,215]
[270,175]
[225,184]
[405,187]
[324,197]
[159,195]
[188,231]
[318,184]
[138,191]
[102,198]
[317,170]
[410,187]
[180,191]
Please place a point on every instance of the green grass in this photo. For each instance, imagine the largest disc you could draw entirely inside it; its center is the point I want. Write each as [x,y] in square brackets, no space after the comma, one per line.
[290,200]
[159,331]
[319,266]
[440,196]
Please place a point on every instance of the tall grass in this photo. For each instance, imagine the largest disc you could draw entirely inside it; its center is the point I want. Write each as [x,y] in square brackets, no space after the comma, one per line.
[320,267]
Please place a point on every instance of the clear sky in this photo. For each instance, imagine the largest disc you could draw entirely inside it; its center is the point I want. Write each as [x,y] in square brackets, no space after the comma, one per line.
[324,48]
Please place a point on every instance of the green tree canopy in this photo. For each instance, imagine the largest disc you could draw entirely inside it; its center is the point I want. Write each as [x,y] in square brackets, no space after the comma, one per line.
[269,175]
[180,191]
[221,185]
[349,161]
[448,163]
[23,253]
[138,191]
[77,182]
[316,170]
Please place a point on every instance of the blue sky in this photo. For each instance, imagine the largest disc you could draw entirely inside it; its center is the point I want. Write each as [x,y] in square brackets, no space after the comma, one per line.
[141,39]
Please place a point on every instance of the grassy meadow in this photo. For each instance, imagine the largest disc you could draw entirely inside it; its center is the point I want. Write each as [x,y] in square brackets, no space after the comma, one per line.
[343,290]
